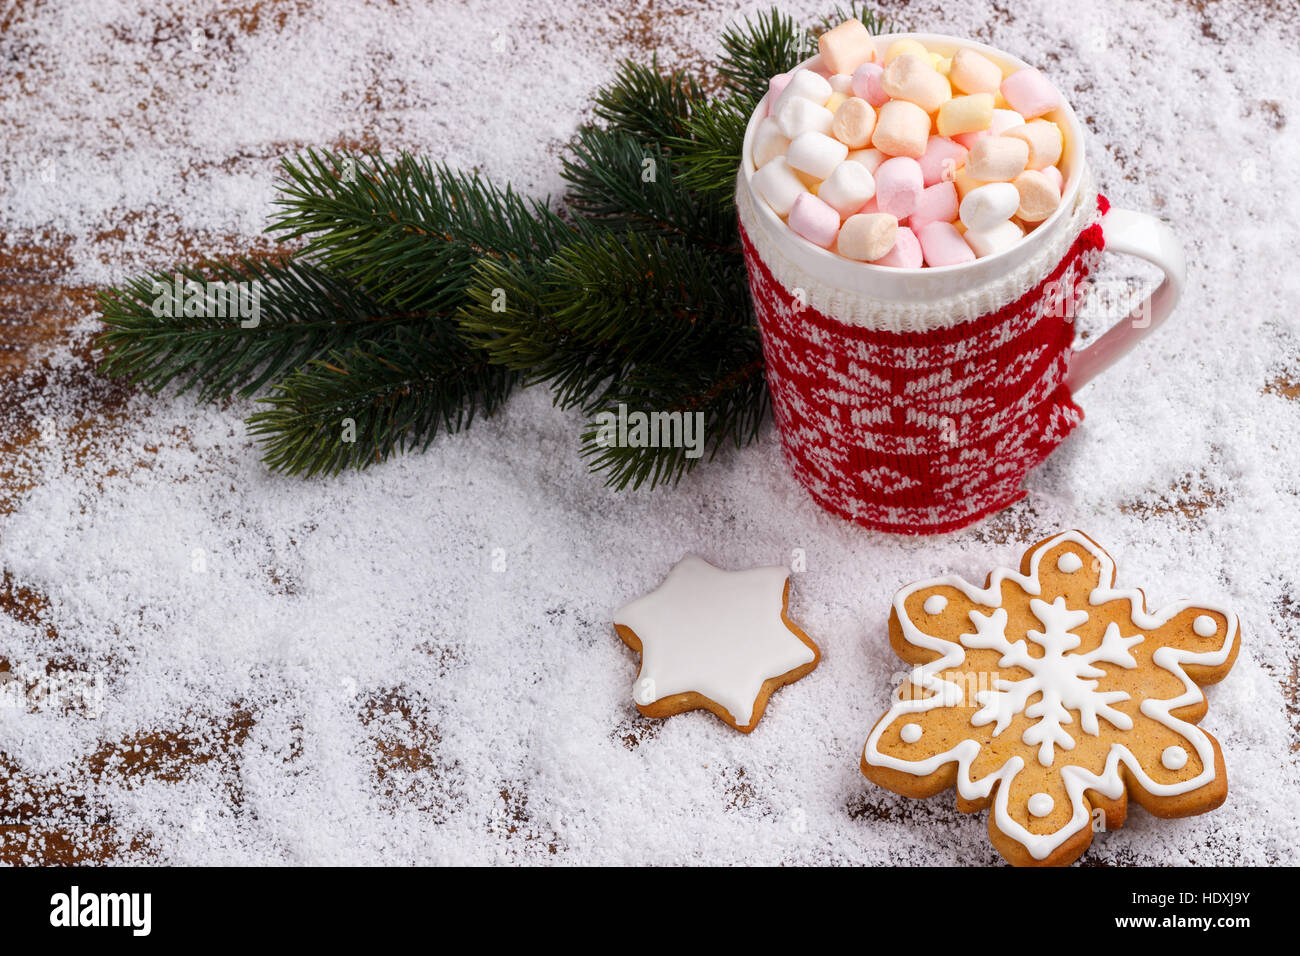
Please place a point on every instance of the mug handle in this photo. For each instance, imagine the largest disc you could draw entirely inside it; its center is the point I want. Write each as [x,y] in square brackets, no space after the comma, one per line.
[1134,234]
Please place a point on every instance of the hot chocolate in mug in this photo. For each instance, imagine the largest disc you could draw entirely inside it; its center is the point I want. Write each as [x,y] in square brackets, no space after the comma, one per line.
[916,401]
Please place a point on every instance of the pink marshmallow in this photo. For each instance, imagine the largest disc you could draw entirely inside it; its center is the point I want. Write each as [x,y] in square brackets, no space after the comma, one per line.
[941,159]
[1030,93]
[938,204]
[869,207]
[906,253]
[866,84]
[1054,174]
[815,220]
[774,87]
[899,184]
[942,244]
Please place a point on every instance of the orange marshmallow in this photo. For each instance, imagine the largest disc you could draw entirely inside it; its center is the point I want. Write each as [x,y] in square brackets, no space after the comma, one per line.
[912,78]
[903,129]
[854,123]
[973,72]
[997,159]
[1044,140]
[1039,195]
[846,47]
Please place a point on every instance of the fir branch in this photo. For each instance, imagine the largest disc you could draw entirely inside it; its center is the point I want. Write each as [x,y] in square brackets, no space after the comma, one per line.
[709,154]
[647,104]
[302,313]
[731,396]
[876,23]
[407,229]
[624,183]
[757,49]
[603,308]
[362,406]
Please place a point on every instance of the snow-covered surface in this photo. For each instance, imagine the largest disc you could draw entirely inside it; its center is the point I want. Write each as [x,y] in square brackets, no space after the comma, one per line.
[417,663]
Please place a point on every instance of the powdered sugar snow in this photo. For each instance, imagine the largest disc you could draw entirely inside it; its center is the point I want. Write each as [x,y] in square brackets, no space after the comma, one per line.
[416,663]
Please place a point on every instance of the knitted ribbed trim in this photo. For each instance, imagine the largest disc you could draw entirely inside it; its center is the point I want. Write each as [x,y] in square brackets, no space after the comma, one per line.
[854,308]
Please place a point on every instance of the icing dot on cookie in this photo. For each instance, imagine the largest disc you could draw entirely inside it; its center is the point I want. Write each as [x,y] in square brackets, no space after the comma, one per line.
[1069,562]
[1040,804]
[910,733]
[1174,758]
[935,604]
[1205,626]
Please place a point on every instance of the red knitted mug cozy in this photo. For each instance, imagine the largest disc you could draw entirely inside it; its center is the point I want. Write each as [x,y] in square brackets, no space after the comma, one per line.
[923,431]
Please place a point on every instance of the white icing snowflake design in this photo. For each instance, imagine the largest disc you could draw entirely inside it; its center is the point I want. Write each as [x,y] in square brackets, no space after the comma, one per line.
[1046,720]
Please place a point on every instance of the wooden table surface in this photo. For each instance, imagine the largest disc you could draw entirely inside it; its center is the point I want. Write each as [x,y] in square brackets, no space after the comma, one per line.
[48,822]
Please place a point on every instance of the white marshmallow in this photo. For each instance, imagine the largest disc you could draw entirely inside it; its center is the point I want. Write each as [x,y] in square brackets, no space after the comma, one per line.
[842,83]
[800,116]
[778,185]
[989,205]
[816,154]
[805,85]
[769,142]
[847,188]
[993,240]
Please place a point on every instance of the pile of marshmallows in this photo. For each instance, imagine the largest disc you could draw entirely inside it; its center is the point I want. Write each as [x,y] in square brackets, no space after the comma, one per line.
[915,160]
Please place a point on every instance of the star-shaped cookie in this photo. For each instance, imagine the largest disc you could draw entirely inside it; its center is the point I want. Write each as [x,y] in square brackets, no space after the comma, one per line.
[715,640]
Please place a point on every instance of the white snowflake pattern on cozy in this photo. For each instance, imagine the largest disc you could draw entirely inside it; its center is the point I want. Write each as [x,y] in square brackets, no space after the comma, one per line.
[923,431]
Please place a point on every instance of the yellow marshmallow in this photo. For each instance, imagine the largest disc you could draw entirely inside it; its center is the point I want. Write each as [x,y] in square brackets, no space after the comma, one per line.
[835,101]
[944,65]
[900,47]
[965,114]
[1000,101]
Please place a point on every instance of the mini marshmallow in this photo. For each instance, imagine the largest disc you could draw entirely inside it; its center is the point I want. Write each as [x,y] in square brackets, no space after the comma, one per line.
[942,159]
[1044,140]
[973,72]
[846,47]
[867,236]
[902,129]
[899,185]
[1051,172]
[777,183]
[965,114]
[906,252]
[942,245]
[798,116]
[986,206]
[815,154]
[912,78]
[1030,93]
[805,85]
[842,83]
[866,84]
[870,158]
[854,123]
[847,188]
[964,182]
[997,159]
[775,86]
[769,142]
[814,220]
[994,240]
[1039,195]
[1003,120]
[834,103]
[905,48]
[938,203]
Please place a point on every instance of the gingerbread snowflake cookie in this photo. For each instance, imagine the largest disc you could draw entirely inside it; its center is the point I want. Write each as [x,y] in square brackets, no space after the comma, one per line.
[715,640]
[1053,698]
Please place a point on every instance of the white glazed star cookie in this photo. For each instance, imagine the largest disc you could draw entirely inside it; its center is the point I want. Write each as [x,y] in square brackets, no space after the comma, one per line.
[1054,698]
[715,640]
